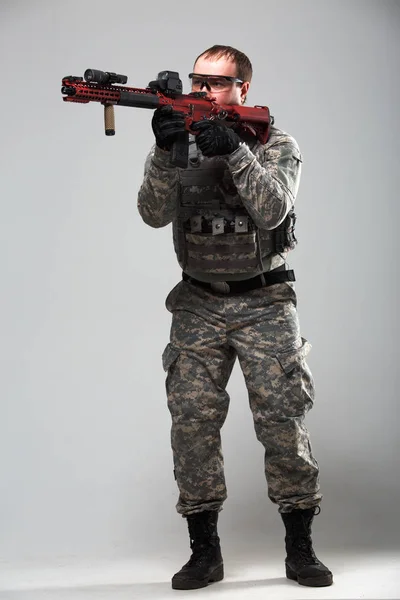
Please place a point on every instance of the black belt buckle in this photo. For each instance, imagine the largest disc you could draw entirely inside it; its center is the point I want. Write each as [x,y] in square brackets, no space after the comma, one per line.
[221,287]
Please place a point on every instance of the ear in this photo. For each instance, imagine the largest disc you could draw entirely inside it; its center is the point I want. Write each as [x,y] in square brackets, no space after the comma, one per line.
[244,91]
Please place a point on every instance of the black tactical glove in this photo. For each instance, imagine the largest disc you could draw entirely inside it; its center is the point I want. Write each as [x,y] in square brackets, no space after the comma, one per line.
[215,138]
[167,125]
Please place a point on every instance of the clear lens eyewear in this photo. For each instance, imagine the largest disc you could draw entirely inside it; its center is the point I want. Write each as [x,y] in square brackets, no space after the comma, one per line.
[213,83]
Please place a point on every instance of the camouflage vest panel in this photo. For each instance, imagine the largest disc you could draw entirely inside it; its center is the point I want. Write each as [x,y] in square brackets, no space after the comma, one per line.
[214,233]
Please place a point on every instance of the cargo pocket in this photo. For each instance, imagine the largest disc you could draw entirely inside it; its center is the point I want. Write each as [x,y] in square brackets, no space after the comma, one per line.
[298,387]
[169,356]
[294,357]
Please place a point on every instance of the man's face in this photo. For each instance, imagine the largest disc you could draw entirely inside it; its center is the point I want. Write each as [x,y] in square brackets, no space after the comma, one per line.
[234,93]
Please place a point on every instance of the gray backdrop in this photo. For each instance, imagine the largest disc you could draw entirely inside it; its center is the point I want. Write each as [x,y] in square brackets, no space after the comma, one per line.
[86,466]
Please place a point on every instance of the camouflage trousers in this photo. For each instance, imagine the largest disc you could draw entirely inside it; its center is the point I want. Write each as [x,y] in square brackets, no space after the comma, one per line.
[208,332]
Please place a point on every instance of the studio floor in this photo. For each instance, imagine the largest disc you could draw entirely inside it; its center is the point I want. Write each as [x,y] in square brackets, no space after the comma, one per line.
[364,574]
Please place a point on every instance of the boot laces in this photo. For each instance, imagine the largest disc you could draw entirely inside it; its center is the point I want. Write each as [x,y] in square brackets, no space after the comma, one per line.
[299,540]
[305,551]
[200,554]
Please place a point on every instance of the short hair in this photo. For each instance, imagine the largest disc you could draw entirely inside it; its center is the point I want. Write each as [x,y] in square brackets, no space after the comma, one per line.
[244,69]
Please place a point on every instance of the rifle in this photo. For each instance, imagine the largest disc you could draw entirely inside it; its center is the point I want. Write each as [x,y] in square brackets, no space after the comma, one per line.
[107,88]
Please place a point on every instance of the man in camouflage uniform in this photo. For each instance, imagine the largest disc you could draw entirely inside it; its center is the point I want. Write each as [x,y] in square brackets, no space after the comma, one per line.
[230,209]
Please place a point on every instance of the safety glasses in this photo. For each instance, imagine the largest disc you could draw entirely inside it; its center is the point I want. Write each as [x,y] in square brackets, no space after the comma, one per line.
[213,83]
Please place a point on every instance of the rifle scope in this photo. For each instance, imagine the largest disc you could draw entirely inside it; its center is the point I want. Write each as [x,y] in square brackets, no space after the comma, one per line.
[103,77]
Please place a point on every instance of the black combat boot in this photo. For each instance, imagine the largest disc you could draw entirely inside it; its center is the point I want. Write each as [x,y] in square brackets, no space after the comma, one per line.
[205,565]
[301,563]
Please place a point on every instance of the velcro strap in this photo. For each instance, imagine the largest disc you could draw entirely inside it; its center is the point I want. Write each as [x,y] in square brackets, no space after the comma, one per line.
[220,249]
[198,264]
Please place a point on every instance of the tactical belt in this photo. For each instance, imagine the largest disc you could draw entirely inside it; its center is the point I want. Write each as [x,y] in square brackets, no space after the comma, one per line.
[278,275]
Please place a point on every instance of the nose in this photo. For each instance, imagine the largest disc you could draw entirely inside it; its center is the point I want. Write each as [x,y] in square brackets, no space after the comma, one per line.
[204,83]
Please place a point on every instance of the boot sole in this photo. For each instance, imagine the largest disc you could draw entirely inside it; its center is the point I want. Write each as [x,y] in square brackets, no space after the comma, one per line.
[321,581]
[194,584]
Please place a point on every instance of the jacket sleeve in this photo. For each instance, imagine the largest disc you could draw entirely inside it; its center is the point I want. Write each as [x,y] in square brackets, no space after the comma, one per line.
[267,185]
[157,198]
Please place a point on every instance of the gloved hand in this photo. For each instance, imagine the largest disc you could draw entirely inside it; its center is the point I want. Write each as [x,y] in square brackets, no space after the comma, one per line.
[167,124]
[215,138]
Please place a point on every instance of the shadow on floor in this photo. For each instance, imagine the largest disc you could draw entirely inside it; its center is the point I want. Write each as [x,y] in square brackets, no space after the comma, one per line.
[134,591]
